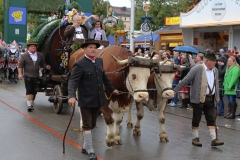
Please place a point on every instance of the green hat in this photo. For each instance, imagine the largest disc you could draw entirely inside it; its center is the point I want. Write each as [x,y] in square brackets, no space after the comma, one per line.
[210,56]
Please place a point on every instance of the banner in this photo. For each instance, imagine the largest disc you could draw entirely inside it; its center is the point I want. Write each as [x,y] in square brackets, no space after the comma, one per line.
[17,15]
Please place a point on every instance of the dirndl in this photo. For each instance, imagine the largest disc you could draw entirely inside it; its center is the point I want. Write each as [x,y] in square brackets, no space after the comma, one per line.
[184,90]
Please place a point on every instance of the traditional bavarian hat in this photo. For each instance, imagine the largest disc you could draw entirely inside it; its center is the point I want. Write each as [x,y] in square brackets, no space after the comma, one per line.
[90,41]
[210,56]
[32,43]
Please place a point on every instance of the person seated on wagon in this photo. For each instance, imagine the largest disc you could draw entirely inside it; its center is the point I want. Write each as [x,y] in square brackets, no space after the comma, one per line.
[75,31]
[95,30]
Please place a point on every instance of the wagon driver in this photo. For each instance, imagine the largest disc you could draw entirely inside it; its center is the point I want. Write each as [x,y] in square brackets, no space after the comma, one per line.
[29,64]
[89,77]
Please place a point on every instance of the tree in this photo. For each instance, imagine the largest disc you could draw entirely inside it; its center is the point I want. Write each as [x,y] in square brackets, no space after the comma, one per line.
[159,10]
[1,17]
[100,8]
[32,20]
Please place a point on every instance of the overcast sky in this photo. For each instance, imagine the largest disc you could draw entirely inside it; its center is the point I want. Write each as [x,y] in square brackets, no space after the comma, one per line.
[120,3]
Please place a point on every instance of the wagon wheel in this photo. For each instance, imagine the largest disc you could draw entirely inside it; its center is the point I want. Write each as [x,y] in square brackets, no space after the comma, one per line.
[58,105]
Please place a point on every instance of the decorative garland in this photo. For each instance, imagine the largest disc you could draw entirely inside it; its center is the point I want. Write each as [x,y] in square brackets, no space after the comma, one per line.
[40,38]
[36,31]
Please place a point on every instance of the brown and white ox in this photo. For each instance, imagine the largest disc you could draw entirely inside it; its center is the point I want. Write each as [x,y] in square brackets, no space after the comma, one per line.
[132,80]
[163,83]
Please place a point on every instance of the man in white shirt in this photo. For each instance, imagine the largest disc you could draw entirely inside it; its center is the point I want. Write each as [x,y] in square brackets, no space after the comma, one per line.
[76,30]
[204,96]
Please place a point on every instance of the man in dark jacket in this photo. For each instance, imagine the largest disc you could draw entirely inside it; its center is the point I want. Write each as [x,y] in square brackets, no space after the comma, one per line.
[29,63]
[88,77]
[222,64]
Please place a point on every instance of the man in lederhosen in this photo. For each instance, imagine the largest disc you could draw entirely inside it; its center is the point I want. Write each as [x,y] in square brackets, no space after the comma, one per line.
[29,63]
[88,76]
[204,96]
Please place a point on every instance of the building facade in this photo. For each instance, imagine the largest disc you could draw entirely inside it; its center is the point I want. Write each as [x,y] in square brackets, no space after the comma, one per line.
[212,24]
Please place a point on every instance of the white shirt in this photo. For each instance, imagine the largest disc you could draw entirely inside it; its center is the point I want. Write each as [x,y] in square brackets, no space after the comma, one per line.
[79,36]
[33,56]
[210,79]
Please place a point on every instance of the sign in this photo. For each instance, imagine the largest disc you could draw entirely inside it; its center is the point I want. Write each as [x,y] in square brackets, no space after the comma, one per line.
[218,9]
[212,13]
[170,21]
[17,15]
[16,31]
[146,7]
[42,18]
[173,44]
[145,28]
[171,37]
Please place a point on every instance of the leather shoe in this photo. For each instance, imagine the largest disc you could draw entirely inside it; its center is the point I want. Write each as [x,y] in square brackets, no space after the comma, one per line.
[92,156]
[216,142]
[30,108]
[196,142]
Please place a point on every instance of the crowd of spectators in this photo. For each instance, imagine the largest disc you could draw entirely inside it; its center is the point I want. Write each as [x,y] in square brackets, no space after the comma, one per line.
[229,73]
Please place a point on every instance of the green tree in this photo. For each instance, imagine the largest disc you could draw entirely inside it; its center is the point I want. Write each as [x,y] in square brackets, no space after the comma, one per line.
[32,20]
[120,25]
[159,10]
[100,8]
[1,17]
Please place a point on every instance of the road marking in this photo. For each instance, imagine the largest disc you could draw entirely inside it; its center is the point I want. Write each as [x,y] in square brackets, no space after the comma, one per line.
[46,128]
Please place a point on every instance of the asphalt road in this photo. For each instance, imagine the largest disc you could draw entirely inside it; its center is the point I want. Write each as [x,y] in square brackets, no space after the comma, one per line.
[38,135]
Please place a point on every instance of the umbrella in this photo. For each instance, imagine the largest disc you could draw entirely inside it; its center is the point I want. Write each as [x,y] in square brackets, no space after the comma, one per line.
[185,49]
[22,43]
[198,48]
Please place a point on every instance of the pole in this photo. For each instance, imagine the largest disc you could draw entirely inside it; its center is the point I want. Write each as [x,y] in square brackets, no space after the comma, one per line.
[132,47]
[107,7]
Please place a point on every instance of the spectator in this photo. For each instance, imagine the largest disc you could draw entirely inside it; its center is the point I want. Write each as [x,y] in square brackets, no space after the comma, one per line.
[164,56]
[185,91]
[230,84]
[176,58]
[221,52]
[139,52]
[95,30]
[234,50]
[222,63]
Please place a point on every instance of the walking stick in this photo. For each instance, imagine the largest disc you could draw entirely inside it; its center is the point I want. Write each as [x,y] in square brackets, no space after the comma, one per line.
[216,130]
[67,130]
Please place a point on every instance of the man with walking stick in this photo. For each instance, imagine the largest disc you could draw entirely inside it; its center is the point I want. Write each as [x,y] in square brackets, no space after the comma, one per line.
[204,97]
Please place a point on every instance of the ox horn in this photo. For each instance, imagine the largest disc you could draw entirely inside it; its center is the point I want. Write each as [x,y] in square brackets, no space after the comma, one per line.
[120,62]
[179,66]
[163,62]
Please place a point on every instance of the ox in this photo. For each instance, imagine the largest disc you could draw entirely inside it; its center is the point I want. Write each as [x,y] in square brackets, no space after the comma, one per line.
[126,78]
[163,83]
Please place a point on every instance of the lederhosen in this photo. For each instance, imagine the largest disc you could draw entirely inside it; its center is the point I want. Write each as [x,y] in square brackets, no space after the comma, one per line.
[208,107]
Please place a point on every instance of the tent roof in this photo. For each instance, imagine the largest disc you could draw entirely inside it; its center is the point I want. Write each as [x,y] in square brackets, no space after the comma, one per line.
[110,38]
[152,36]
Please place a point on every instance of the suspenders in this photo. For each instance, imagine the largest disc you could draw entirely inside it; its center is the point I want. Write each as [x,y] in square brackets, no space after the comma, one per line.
[214,83]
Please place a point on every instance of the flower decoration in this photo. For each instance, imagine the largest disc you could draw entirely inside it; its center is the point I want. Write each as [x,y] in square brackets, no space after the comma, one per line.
[68,18]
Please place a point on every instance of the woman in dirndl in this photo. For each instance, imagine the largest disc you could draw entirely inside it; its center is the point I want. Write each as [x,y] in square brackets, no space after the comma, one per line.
[185,91]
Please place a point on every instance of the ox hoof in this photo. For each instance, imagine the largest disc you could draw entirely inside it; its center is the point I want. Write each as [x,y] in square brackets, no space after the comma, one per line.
[110,141]
[110,144]
[136,132]
[118,142]
[164,138]
[130,125]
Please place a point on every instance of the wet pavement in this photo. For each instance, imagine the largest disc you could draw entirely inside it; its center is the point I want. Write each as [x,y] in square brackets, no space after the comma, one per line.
[38,135]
